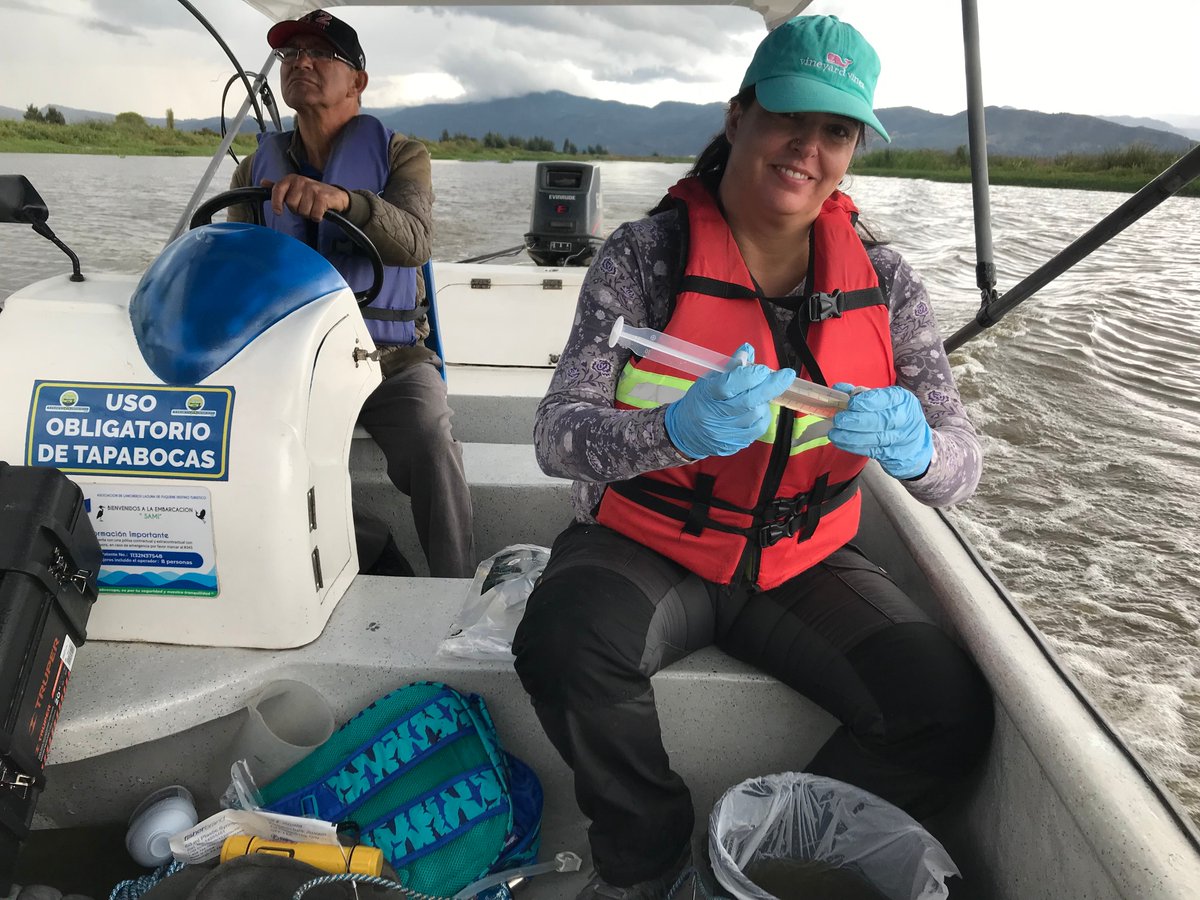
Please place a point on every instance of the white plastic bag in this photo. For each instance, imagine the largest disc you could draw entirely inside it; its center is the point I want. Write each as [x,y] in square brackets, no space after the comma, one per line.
[485,627]
[799,816]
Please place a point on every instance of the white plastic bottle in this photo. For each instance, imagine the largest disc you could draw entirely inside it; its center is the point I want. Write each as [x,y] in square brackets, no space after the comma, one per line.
[164,813]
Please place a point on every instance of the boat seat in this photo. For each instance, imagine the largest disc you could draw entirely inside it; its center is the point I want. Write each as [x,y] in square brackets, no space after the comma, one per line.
[514,501]
[493,404]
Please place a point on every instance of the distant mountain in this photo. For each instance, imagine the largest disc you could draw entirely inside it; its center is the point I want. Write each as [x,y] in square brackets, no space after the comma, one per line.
[1186,131]
[683,129]
[1189,121]
[669,129]
[1022,132]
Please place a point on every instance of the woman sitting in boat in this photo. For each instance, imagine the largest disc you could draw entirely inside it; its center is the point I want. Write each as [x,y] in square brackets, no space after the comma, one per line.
[705,514]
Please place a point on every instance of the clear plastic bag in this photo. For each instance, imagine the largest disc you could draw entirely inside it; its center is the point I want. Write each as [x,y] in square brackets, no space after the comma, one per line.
[242,792]
[797,816]
[485,627]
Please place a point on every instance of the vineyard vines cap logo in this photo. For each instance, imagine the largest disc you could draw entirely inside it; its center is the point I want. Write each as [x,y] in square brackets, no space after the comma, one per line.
[816,64]
[324,25]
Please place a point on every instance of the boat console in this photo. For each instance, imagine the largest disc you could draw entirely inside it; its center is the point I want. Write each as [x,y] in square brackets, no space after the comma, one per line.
[207,411]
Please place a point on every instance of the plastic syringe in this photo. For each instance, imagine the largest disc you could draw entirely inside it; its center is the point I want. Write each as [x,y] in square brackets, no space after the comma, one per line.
[802,396]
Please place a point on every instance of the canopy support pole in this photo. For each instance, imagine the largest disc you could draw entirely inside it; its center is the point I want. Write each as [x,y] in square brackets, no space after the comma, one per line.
[985,263]
[1176,177]
[215,163]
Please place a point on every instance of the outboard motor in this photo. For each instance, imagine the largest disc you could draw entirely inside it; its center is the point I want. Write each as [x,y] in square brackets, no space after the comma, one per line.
[564,227]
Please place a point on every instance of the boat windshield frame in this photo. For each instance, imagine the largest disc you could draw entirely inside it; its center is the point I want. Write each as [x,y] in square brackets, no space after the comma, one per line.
[215,162]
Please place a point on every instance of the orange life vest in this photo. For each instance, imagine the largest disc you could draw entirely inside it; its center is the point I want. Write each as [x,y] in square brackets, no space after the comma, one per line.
[791,498]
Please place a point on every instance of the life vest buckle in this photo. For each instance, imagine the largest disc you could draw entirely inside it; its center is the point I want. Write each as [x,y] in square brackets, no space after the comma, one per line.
[772,534]
[783,516]
[783,508]
[822,306]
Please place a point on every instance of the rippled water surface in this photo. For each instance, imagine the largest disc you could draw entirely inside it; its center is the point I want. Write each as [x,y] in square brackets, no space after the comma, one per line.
[1087,397]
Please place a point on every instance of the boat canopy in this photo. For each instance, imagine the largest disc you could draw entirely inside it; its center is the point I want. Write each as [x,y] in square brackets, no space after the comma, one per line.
[773,11]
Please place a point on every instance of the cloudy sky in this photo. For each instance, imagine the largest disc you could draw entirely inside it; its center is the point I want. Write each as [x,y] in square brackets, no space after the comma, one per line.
[1049,55]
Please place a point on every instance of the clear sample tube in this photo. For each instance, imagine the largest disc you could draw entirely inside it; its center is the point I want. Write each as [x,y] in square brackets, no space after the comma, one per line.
[562,862]
[802,396]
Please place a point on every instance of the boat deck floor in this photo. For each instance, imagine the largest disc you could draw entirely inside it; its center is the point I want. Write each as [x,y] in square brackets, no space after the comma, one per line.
[99,862]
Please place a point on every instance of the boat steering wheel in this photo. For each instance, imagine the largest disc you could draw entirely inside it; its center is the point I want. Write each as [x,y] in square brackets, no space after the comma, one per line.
[255,197]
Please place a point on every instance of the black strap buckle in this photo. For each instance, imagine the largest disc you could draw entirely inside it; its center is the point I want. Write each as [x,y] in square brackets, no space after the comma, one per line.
[783,508]
[776,532]
[800,514]
[822,306]
[783,516]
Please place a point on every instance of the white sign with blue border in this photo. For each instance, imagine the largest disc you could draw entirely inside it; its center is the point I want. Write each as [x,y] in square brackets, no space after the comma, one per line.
[151,431]
[154,539]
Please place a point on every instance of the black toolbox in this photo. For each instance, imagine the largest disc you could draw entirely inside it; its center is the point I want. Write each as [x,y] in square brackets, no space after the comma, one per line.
[49,560]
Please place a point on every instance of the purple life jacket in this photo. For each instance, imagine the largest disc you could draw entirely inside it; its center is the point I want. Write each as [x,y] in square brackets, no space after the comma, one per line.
[359,161]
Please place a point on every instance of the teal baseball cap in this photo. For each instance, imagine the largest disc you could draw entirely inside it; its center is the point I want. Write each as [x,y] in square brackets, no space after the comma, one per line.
[816,64]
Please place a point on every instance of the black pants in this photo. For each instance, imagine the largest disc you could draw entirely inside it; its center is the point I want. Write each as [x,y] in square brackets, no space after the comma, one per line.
[608,613]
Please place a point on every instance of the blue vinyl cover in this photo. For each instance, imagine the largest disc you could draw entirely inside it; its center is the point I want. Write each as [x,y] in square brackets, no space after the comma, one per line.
[217,288]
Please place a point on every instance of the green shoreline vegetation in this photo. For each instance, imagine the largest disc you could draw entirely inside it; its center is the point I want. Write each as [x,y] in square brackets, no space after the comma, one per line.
[1124,170]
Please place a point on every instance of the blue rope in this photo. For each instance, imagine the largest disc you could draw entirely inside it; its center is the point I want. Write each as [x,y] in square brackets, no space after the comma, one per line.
[375,880]
[691,872]
[492,893]
[135,887]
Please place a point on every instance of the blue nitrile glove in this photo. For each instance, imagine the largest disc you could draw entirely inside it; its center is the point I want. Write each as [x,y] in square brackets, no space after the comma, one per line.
[725,411]
[886,424]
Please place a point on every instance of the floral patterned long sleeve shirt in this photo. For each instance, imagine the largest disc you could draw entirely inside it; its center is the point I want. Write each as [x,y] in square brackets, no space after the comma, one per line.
[579,434]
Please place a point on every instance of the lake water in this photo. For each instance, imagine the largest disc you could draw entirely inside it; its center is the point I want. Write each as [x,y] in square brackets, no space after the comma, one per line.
[1087,397]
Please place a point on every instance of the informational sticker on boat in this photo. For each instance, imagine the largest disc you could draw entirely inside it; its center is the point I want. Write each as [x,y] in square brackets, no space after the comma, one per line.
[152,431]
[154,539]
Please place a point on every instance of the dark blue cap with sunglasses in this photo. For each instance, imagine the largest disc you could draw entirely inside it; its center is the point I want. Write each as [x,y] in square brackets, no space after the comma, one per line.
[323,25]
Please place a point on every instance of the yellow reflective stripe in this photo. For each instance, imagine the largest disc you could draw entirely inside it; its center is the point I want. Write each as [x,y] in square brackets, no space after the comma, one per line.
[768,436]
[809,445]
[646,395]
[801,440]
[647,390]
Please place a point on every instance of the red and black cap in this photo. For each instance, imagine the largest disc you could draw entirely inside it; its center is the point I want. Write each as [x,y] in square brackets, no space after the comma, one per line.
[324,25]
